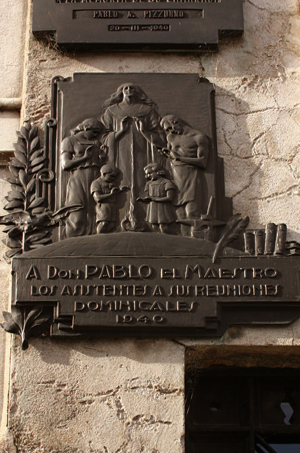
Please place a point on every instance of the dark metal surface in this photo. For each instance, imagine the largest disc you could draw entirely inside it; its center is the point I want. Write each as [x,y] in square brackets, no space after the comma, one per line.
[140,25]
[124,284]
[156,98]
[147,243]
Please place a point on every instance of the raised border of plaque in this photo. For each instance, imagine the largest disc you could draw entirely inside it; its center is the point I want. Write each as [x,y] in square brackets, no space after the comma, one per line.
[139,25]
[119,225]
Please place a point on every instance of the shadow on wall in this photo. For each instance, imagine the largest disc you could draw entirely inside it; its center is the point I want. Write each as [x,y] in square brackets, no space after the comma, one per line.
[144,351]
[259,144]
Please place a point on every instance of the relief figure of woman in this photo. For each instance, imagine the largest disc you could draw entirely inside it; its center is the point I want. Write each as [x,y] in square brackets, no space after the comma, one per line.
[82,155]
[133,130]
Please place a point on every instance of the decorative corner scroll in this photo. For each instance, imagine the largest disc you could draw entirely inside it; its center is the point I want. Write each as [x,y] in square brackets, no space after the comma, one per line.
[22,322]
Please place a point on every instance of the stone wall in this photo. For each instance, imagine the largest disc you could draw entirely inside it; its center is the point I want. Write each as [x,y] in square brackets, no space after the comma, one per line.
[81,396]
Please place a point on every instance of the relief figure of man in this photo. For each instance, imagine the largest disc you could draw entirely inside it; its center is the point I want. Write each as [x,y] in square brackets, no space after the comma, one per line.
[188,150]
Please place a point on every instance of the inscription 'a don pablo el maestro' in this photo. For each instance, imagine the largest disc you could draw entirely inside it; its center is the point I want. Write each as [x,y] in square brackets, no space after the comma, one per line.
[114,271]
[138,281]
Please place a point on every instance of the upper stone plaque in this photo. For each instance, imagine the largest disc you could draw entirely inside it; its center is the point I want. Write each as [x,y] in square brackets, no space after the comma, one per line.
[139,24]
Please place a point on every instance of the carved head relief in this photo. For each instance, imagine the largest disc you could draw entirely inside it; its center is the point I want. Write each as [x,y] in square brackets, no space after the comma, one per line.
[172,124]
[153,171]
[109,172]
[89,128]
[128,91]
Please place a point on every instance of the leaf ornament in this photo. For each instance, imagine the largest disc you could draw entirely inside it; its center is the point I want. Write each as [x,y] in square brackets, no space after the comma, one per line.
[62,213]
[25,199]
[29,221]
[22,322]
[234,228]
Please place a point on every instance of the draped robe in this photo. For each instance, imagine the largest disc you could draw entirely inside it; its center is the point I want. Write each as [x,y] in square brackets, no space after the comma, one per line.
[132,152]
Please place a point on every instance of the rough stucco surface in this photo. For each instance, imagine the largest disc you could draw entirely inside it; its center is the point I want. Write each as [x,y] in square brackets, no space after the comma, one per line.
[125,396]
[12,21]
[257,85]
[10,122]
[4,300]
[97,396]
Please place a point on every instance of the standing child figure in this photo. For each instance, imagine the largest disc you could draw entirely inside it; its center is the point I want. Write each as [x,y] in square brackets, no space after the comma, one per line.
[105,190]
[159,194]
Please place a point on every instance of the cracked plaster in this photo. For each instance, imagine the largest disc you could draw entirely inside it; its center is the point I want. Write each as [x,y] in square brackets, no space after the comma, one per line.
[90,395]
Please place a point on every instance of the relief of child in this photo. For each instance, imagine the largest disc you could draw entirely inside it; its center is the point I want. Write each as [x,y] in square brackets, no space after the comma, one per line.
[105,191]
[159,194]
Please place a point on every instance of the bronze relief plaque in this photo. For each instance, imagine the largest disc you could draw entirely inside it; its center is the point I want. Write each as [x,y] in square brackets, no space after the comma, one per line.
[120,225]
[139,25]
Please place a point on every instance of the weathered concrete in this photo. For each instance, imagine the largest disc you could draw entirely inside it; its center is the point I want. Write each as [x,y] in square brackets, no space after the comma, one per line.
[13,17]
[12,48]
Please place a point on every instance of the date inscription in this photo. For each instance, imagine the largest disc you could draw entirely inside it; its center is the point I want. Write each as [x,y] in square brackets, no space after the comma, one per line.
[153,27]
